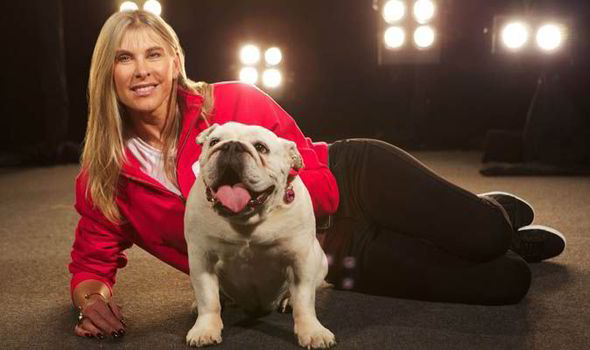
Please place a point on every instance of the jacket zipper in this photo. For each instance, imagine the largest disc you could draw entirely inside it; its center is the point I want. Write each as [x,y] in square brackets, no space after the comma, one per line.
[182,144]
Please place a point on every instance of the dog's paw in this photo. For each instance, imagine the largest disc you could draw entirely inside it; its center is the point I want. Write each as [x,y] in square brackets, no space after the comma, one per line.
[315,337]
[204,333]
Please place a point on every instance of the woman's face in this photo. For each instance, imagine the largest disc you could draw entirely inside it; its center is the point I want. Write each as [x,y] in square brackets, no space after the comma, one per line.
[143,72]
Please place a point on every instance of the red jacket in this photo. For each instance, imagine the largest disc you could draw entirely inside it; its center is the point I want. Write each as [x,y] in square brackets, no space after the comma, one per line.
[153,216]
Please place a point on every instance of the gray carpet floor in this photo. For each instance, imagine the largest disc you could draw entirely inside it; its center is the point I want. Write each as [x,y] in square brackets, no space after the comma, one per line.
[37,222]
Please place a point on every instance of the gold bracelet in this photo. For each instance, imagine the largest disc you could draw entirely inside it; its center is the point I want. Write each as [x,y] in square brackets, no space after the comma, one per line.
[88,295]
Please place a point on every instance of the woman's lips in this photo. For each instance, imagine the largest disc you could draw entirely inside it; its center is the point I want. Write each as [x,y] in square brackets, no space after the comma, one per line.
[145,90]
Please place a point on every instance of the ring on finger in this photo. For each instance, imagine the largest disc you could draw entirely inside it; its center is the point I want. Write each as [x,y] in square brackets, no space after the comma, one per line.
[80,316]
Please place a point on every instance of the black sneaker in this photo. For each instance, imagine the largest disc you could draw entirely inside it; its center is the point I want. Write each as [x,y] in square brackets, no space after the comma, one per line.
[536,243]
[519,211]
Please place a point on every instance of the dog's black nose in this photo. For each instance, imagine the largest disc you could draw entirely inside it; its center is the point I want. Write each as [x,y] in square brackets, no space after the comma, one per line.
[233,147]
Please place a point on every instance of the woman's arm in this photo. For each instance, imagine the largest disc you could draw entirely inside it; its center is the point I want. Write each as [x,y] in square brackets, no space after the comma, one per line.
[97,253]
[99,246]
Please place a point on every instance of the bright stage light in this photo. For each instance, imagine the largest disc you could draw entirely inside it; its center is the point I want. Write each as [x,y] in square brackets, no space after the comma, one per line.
[394,10]
[273,56]
[271,78]
[424,37]
[424,10]
[515,35]
[128,6]
[153,6]
[250,54]
[550,37]
[394,37]
[249,75]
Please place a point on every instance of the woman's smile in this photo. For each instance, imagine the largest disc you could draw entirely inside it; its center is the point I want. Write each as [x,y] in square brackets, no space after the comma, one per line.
[143,90]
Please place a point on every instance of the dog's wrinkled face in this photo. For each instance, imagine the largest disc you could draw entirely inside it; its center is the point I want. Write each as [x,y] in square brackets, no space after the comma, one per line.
[245,169]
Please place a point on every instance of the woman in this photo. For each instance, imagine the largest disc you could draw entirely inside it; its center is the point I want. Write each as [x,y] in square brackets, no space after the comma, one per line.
[394,227]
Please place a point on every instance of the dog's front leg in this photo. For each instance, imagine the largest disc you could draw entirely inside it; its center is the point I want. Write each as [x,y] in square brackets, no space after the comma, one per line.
[310,332]
[208,326]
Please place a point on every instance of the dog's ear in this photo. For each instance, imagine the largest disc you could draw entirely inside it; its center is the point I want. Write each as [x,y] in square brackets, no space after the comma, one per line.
[202,137]
[295,160]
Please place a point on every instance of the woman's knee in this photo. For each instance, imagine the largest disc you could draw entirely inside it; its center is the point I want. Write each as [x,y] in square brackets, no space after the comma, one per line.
[513,283]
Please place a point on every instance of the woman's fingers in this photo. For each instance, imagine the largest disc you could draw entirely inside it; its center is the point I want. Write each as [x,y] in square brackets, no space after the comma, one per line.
[102,317]
[117,326]
[116,309]
[99,321]
[86,328]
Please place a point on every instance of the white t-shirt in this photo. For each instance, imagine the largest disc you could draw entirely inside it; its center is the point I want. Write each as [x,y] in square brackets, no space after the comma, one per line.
[151,162]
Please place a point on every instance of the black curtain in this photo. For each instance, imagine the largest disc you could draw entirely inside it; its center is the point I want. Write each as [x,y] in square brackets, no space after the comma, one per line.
[35,106]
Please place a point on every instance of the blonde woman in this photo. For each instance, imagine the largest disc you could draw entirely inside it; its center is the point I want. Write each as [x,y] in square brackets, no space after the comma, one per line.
[392,219]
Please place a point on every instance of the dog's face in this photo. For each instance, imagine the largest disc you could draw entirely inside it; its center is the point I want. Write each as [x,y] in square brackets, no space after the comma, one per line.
[245,170]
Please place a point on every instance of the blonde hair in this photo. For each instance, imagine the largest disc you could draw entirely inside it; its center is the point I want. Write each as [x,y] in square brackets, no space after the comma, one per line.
[103,155]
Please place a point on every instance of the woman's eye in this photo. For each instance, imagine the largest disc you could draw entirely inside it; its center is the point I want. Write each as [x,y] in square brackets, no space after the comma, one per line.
[154,55]
[213,142]
[260,147]
[123,58]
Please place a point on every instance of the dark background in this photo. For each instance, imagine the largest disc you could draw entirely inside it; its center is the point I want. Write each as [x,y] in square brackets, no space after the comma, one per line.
[334,87]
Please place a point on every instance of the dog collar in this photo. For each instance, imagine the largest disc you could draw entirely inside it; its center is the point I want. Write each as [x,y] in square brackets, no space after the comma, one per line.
[289,194]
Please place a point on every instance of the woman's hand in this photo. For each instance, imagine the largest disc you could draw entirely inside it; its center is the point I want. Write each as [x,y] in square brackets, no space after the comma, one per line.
[100,318]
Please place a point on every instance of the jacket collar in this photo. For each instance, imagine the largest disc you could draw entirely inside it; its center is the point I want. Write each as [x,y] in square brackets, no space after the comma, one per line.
[192,104]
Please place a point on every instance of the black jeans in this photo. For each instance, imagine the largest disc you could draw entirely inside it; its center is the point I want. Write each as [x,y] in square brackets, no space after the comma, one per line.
[403,231]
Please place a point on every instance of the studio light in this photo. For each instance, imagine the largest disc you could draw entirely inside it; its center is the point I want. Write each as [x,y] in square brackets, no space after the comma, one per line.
[271,78]
[538,37]
[250,54]
[550,37]
[515,35]
[409,31]
[128,6]
[273,56]
[424,37]
[394,11]
[265,70]
[249,75]
[153,6]
[394,37]
[424,11]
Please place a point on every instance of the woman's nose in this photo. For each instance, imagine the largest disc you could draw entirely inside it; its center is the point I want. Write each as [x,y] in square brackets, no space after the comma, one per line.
[141,69]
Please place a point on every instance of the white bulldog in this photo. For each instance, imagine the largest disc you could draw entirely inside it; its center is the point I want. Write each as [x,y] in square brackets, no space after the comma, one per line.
[250,231]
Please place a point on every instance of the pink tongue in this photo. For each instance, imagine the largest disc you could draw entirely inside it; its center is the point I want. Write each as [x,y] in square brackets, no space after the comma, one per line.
[234,198]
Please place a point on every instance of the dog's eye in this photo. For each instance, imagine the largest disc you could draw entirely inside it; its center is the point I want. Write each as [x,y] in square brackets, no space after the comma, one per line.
[213,142]
[260,147]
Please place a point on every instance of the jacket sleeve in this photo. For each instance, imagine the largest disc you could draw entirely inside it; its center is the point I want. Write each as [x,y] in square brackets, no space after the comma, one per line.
[98,249]
[261,109]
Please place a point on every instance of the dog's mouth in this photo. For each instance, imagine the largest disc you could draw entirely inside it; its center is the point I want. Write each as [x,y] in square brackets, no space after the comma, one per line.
[231,197]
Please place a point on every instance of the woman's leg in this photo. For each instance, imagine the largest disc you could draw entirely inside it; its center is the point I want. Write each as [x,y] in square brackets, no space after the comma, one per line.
[382,184]
[367,259]
[403,231]
[400,266]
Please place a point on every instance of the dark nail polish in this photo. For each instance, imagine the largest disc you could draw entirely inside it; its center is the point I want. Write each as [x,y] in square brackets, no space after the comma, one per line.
[88,335]
[100,336]
[115,335]
[121,332]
